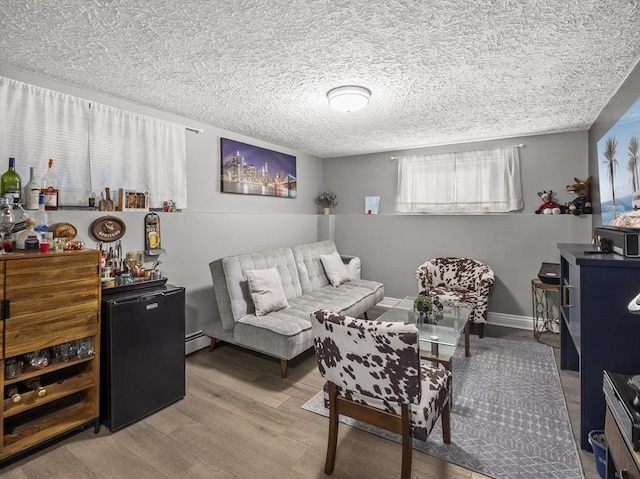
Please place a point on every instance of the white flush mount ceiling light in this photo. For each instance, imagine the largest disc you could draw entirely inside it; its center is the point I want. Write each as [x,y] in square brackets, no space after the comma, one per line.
[348,98]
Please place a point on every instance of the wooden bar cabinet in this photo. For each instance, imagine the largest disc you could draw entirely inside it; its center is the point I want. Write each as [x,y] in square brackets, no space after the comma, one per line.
[48,300]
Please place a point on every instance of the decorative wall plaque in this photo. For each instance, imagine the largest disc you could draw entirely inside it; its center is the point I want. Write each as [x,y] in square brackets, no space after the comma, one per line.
[108,229]
[64,230]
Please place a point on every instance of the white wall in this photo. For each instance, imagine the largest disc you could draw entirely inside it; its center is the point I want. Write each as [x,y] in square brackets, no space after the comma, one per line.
[215,224]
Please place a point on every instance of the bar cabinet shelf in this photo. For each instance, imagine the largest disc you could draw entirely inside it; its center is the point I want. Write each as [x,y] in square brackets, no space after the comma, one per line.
[48,299]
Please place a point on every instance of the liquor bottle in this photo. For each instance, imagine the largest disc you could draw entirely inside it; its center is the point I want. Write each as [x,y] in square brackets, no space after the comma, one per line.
[91,200]
[20,218]
[31,191]
[50,188]
[13,394]
[34,384]
[42,217]
[28,234]
[11,183]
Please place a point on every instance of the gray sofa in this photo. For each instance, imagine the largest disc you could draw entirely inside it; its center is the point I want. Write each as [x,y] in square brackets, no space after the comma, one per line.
[286,333]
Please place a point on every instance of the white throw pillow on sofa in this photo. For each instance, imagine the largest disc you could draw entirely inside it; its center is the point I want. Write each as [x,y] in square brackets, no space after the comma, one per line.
[334,268]
[265,288]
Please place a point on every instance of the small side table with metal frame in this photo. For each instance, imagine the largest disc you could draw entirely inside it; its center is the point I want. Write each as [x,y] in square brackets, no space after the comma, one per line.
[546,307]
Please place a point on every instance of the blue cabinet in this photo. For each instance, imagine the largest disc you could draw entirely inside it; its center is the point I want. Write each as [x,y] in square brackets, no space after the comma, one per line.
[596,330]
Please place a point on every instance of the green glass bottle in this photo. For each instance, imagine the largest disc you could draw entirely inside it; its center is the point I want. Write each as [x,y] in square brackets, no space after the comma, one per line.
[11,183]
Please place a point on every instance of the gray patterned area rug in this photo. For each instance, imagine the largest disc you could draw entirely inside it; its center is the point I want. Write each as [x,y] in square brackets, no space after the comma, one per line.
[509,418]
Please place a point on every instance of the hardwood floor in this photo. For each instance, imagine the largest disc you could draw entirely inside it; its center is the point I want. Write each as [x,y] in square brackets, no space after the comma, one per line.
[239,419]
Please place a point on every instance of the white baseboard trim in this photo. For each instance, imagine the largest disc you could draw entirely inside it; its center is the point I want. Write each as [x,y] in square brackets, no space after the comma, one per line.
[510,321]
[498,319]
[195,341]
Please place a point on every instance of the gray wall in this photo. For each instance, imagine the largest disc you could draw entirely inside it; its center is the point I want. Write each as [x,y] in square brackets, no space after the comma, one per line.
[215,224]
[626,95]
[392,246]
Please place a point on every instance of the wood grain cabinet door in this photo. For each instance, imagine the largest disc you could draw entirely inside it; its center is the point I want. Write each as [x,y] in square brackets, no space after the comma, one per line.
[2,266]
[620,451]
[51,300]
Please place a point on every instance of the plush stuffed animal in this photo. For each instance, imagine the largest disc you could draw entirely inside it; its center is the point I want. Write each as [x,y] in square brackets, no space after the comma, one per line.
[548,207]
[582,204]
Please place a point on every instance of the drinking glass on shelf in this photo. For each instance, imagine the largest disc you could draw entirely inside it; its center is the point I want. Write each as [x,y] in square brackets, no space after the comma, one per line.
[6,223]
[65,351]
[39,358]
[13,368]
[85,348]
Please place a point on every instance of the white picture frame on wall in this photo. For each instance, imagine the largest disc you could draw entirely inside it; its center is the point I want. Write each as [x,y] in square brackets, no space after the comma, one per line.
[371,205]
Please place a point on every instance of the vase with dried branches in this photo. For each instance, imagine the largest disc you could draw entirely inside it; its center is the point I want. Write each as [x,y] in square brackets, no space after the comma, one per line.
[326,200]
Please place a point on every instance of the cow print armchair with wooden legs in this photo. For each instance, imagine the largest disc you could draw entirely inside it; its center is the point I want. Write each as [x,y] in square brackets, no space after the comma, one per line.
[374,375]
[466,280]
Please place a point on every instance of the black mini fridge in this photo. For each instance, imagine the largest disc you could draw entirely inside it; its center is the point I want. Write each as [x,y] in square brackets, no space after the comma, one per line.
[142,367]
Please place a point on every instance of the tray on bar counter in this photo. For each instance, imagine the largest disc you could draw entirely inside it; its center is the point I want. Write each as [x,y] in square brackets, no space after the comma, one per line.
[133,286]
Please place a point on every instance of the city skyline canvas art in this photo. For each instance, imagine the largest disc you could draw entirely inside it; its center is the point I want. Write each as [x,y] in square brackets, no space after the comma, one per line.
[252,170]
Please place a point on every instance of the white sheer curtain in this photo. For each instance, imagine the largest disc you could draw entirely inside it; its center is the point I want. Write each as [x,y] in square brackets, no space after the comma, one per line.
[476,181]
[37,124]
[93,146]
[139,153]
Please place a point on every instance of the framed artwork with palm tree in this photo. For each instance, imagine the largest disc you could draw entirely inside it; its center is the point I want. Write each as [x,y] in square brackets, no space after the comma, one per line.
[618,158]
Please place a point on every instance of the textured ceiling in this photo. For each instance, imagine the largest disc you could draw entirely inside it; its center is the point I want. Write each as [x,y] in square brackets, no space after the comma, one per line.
[440,71]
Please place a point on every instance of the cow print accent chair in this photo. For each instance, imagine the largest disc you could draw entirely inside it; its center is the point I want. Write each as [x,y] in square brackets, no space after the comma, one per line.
[466,280]
[374,375]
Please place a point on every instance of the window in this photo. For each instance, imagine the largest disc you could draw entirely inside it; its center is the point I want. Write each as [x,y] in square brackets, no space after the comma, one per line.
[93,146]
[477,181]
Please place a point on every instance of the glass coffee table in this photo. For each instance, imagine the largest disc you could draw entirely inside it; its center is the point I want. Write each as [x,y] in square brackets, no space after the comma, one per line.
[438,339]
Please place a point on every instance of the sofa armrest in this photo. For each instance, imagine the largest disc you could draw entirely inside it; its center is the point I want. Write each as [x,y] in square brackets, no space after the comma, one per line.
[354,266]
